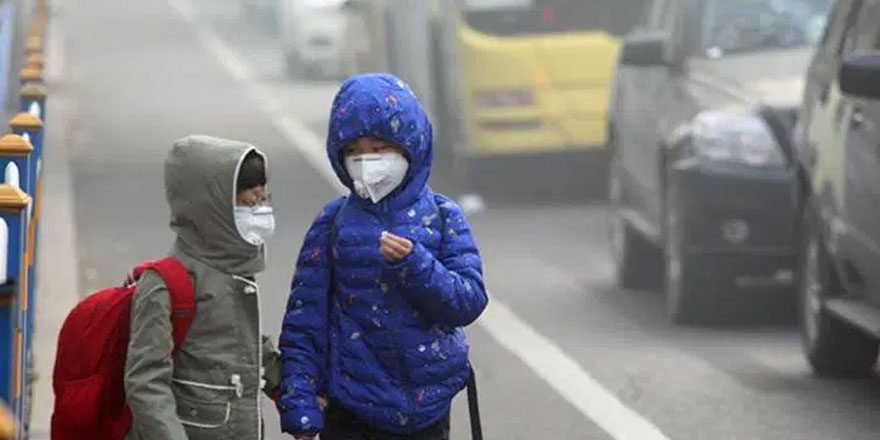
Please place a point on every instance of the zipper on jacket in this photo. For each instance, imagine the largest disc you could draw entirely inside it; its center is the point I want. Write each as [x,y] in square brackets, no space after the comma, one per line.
[259,362]
[255,291]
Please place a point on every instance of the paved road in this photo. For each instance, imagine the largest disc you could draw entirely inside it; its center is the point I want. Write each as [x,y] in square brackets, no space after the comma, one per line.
[561,354]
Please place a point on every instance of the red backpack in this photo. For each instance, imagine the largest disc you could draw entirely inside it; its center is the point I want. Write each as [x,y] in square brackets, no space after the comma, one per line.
[92,347]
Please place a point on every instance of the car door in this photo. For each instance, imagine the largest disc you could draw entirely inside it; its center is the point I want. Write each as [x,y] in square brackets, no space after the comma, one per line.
[814,126]
[820,146]
[859,121]
[642,100]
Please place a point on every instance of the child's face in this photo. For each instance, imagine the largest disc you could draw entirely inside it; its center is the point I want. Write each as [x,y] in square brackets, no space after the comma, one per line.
[369,145]
[253,196]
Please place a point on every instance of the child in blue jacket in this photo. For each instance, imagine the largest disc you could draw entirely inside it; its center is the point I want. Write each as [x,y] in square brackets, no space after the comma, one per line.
[385,281]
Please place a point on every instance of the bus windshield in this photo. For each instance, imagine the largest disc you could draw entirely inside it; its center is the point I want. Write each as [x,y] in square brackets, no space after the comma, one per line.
[531,17]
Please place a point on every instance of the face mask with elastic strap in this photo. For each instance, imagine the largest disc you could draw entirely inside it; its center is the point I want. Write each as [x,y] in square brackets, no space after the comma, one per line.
[375,175]
[255,224]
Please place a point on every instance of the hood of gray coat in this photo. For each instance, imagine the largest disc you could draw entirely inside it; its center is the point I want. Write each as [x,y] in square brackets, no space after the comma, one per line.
[200,175]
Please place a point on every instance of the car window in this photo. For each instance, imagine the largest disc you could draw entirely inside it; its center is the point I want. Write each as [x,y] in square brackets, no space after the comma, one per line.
[547,17]
[849,27]
[860,32]
[739,26]
[870,30]
[831,23]
[835,26]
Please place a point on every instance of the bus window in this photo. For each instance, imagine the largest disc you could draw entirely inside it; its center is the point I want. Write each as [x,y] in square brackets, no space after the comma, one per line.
[524,17]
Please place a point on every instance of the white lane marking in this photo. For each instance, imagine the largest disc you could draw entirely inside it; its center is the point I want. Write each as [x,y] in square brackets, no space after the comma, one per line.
[565,375]
[537,351]
[296,133]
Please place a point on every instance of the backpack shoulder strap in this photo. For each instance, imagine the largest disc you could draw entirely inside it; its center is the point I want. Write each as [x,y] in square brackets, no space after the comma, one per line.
[441,214]
[334,228]
[331,258]
[181,292]
[331,263]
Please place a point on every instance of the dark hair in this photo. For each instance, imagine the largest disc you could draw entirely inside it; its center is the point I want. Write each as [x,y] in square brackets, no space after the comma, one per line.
[252,172]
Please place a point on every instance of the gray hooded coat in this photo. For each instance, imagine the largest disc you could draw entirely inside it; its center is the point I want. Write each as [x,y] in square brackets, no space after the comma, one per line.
[209,389]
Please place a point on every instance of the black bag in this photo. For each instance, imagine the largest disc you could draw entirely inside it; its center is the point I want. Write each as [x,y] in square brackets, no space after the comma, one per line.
[473,399]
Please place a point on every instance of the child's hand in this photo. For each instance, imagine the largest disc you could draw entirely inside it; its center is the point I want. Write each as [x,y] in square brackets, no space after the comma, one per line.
[394,248]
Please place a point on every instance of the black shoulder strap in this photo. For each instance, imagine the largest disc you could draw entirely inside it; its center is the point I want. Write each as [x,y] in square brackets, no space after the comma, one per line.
[442,222]
[331,263]
[474,407]
[331,241]
[334,228]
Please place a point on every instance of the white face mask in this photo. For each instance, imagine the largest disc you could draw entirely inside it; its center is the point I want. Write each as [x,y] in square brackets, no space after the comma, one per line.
[376,175]
[255,223]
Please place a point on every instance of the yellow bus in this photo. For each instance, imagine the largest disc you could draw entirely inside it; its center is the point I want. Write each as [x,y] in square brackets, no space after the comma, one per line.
[514,86]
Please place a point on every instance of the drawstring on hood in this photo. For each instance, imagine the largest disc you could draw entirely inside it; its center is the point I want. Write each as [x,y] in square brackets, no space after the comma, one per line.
[200,176]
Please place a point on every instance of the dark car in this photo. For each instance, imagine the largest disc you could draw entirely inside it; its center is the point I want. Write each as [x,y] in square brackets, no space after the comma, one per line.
[702,183]
[838,147]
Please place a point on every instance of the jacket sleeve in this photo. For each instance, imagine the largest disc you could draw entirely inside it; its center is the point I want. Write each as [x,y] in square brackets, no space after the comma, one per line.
[303,338]
[149,366]
[271,368]
[448,288]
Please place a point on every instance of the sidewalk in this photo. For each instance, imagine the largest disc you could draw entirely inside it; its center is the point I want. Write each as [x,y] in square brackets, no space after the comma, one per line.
[57,272]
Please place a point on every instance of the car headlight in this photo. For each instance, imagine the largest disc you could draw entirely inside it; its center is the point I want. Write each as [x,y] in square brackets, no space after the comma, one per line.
[735,137]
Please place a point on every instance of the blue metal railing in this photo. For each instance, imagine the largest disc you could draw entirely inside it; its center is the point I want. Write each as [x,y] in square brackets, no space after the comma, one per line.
[21,154]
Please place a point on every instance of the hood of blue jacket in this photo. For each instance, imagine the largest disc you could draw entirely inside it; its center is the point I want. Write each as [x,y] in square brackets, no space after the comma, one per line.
[384,107]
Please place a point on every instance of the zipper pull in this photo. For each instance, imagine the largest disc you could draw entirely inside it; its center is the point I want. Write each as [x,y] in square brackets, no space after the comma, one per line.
[239,387]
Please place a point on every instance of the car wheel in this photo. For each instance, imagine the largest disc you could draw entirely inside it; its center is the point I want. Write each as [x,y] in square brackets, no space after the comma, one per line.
[635,259]
[688,286]
[832,347]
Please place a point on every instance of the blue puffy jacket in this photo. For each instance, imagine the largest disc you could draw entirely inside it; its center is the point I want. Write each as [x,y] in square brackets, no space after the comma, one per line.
[397,353]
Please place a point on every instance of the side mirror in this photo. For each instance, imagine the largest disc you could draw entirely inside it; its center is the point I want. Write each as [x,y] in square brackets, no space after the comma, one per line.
[860,75]
[644,50]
